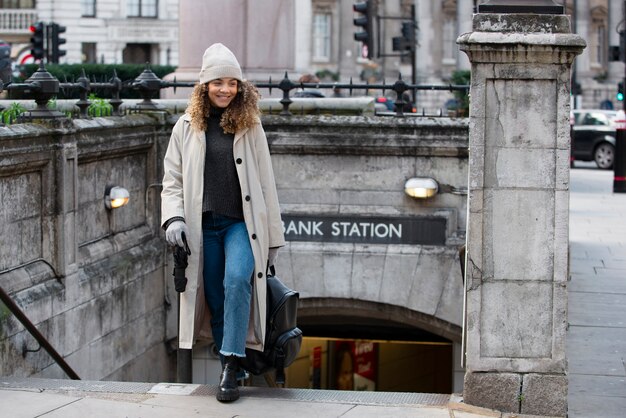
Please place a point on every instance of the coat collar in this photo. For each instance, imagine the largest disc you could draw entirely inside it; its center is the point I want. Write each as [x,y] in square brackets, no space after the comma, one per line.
[200,135]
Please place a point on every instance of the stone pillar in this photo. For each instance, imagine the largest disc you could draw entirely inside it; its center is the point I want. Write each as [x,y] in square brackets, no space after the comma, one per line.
[426,38]
[583,22]
[616,13]
[260,34]
[517,235]
[464,11]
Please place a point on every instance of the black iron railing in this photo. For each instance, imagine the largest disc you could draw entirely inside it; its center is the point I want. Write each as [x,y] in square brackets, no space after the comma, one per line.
[43,86]
[43,342]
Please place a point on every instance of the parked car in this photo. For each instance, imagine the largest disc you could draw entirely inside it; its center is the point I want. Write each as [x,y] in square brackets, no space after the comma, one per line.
[384,104]
[593,136]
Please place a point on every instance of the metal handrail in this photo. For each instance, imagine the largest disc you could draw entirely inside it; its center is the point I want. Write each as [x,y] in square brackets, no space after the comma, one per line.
[43,342]
[43,86]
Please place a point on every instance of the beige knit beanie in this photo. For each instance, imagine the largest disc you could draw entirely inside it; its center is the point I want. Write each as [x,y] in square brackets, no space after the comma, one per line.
[219,62]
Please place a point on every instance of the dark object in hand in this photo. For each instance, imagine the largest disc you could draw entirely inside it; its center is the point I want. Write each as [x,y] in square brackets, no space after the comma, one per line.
[180,264]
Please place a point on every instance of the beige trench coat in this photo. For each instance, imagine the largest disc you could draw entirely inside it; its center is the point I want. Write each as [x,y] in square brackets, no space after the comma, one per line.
[183,184]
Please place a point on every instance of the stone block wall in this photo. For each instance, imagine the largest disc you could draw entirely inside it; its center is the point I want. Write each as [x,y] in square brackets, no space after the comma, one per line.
[355,168]
[517,237]
[91,280]
[98,283]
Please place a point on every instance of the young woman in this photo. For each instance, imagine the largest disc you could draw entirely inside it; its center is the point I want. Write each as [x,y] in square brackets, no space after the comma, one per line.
[219,194]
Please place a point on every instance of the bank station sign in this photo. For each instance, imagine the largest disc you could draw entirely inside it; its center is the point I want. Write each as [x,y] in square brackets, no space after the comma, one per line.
[365,230]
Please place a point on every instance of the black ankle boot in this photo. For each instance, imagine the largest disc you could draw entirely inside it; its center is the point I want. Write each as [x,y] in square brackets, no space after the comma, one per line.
[228,390]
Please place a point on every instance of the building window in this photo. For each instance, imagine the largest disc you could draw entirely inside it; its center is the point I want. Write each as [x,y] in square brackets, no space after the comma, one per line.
[88,8]
[600,45]
[88,50]
[17,4]
[448,32]
[449,40]
[321,36]
[137,54]
[142,8]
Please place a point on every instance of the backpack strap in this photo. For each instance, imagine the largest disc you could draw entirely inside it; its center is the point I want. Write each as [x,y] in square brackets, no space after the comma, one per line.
[280,367]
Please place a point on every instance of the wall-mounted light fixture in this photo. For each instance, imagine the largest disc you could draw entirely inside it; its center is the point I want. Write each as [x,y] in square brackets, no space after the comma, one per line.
[115,197]
[421,187]
[427,187]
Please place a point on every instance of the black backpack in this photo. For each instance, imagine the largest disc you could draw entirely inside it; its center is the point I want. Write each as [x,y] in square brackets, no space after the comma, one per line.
[282,337]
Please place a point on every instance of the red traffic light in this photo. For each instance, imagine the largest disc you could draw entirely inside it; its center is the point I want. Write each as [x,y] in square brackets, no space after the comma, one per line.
[365,21]
[360,7]
[37,41]
[36,27]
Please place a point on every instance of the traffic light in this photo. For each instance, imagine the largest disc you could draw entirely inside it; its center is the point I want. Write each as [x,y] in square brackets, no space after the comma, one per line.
[407,41]
[620,91]
[408,31]
[618,53]
[37,40]
[56,41]
[365,22]
[398,44]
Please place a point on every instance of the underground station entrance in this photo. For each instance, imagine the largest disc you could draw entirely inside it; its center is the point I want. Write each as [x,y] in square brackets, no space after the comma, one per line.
[366,354]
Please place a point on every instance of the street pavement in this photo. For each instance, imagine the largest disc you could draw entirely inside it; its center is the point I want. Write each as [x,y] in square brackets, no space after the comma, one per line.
[596,349]
[596,338]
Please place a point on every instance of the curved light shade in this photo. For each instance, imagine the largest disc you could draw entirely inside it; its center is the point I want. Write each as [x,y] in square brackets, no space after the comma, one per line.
[115,197]
[421,187]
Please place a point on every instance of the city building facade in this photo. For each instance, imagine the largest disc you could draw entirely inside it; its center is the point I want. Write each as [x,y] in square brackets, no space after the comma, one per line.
[301,36]
[97,31]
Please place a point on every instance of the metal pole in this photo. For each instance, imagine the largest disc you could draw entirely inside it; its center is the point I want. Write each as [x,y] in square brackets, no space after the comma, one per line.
[414,54]
[619,162]
[35,333]
[183,358]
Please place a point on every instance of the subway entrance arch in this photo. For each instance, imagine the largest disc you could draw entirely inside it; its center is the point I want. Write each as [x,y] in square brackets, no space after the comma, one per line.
[377,271]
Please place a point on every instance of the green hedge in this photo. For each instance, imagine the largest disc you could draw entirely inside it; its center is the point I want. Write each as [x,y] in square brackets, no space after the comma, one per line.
[462,77]
[95,72]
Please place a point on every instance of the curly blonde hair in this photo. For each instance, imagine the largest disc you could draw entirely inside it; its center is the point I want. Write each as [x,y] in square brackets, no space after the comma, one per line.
[243,111]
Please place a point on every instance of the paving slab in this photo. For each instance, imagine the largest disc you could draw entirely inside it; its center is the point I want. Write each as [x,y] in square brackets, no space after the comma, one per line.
[596,337]
[596,351]
[610,387]
[101,408]
[597,309]
[369,411]
[31,403]
[590,406]
[599,283]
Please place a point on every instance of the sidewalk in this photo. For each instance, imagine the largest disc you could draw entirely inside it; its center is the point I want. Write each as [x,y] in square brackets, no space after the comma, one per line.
[596,340]
[30,397]
[596,350]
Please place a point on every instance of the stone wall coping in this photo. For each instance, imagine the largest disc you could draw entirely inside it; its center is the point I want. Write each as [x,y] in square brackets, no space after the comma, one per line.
[521,23]
[365,121]
[46,126]
[522,29]
[529,39]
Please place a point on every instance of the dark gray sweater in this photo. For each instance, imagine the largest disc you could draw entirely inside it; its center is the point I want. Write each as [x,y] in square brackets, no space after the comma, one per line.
[222,192]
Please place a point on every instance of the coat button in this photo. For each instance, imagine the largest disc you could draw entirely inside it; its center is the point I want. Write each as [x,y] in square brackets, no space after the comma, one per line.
[253,236]
[238,161]
[247,198]
[260,275]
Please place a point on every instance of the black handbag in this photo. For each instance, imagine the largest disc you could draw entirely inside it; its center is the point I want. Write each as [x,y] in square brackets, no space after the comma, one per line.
[282,336]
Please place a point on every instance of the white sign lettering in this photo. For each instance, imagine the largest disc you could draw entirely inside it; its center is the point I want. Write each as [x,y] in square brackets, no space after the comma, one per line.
[363,229]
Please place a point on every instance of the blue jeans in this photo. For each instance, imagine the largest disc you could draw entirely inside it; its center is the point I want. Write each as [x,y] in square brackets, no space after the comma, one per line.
[227,273]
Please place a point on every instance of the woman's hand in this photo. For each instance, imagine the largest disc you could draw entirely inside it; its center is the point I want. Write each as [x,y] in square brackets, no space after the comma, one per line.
[174,233]
[272,256]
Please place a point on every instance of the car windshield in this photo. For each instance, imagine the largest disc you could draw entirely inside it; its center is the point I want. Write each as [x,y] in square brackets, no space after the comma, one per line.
[594,118]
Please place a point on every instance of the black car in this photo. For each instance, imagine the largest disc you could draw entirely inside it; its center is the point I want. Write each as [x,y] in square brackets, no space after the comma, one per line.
[594,136]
